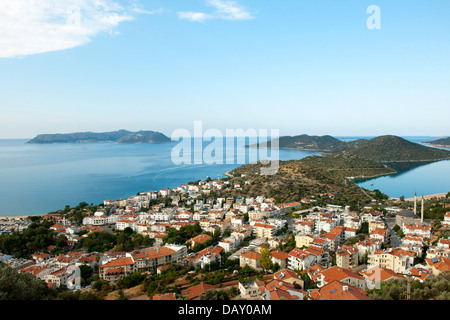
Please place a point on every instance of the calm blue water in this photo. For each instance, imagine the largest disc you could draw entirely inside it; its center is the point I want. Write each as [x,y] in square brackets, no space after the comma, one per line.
[37,179]
[426,179]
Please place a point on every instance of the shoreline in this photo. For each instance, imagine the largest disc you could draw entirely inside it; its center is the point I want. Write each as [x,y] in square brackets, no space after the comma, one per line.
[428,197]
[9,217]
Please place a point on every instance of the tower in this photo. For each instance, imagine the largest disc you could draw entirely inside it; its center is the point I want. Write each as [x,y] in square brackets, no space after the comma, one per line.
[422,210]
[415,204]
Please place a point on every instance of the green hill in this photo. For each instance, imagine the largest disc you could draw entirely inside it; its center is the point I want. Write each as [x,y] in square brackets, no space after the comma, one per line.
[121,136]
[305,142]
[444,142]
[315,175]
[390,148]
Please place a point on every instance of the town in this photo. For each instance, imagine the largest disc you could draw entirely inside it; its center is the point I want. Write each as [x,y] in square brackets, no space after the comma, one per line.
[192,243]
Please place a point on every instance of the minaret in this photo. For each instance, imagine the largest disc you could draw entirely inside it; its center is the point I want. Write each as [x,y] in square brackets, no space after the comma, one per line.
[415,204]
[421,217]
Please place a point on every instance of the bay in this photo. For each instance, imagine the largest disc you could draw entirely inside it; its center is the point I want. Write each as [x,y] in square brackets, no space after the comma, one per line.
[414,178]
[41,178]
[37,179]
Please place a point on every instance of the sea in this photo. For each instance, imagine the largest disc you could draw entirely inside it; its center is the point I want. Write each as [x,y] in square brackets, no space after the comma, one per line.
[42,178]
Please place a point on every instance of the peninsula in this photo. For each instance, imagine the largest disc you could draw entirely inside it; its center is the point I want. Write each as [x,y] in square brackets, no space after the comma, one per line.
[441,143]
[121,136]
[304,142]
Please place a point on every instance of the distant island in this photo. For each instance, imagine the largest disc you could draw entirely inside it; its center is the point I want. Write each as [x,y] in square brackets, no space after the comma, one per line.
[387,148]
[121,136]
[305,142]
[444,143]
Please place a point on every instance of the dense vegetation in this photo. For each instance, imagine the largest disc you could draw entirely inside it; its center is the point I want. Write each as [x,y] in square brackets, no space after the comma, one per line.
[393,148]
[21,286]
[121,136]
[299,179]
[306,142]
[432,288]
[444,142]
[37,237]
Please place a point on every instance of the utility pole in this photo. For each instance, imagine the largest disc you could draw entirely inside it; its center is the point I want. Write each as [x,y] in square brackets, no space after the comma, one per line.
[408,290]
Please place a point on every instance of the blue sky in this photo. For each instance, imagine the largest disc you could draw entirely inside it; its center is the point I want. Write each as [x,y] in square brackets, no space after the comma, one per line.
[299,66]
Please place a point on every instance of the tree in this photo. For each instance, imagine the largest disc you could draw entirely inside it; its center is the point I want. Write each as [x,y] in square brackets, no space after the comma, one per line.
[364,229]
[61,241]
[86,273]
[21,286]
[215,295]
[266,259]
[133,280]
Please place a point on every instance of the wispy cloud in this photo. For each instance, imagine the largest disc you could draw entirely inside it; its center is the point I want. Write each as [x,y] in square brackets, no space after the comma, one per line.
[30,27]
[223,9]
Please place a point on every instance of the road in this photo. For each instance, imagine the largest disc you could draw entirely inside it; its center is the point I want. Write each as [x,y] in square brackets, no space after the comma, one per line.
[394,238]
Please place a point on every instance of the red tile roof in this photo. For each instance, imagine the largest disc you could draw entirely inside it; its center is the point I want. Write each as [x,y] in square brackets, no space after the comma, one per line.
[337,290]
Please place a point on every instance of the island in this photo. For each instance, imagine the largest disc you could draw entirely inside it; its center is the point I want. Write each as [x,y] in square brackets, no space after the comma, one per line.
[441,143]
[121,136]
[304,142]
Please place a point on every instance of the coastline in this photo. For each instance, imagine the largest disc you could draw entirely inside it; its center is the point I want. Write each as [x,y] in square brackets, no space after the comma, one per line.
[21,217]
[428,197]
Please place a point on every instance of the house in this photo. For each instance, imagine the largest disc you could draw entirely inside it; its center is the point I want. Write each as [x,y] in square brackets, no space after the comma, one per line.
[280,257]
[349,233]
[289,276]
[420,272]
[37,270]
[122,224]
[321,242]
[58,277]
[438,265]
[116,269]
[347,257]
[281,290]
[322,256]
[417,229]
[164,296]
[200,240]
[342,275]
[303,240]
[339,231]
[304,227]
[165,192]
[251,259]
[376,275]
[41,257]
[337,290]
[414,243]
[446,221]
[300,259]
[395,259]
[194,292]
[230,243]
[314,272]
[263,231]
[376,225]
[205,257]
[368,246]
[333,240]
[380,234]
[251,290]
